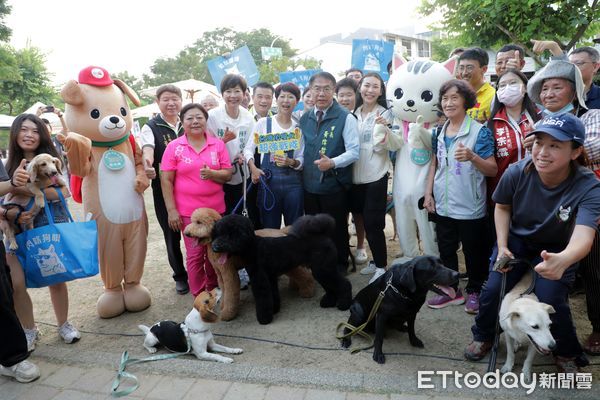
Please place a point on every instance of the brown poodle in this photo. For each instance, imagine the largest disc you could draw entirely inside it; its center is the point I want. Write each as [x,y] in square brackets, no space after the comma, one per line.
[201,227]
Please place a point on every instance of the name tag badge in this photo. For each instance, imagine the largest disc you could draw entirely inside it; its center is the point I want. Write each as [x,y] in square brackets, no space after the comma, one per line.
[420,156]
[214,158]
[367,137]
[113,160]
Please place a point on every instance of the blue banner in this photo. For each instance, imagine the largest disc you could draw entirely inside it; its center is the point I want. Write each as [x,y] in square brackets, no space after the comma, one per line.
[372,56]
[239,62]
[300,78]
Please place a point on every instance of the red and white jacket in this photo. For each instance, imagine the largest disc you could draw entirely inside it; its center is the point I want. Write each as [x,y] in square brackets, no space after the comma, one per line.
[508,143]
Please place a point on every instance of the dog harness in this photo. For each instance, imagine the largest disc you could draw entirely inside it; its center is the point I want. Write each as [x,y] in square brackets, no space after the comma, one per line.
[360,329]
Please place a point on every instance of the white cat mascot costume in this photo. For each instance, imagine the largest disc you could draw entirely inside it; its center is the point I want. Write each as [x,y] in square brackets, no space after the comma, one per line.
[413,92]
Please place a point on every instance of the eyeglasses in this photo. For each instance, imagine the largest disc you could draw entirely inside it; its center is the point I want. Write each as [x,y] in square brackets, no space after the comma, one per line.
[325,89]
[468,68]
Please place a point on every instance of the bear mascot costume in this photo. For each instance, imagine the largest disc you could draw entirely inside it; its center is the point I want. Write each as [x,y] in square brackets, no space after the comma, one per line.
[98,150]
[412,92]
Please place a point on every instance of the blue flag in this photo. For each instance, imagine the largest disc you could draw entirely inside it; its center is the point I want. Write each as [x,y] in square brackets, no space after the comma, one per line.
[300,78]
[239,62]
[372,56]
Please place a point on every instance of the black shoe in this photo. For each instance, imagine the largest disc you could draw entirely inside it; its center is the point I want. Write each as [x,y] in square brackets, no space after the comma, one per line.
[182,287]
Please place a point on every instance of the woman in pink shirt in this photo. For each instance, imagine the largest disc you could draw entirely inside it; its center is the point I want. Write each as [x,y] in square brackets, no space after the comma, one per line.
[194,168]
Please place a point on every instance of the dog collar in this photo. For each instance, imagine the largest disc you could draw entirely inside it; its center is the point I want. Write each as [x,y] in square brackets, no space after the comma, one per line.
[195,331]
[110,144]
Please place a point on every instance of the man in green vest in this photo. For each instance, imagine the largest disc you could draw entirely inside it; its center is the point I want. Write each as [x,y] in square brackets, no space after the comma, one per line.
[330,134]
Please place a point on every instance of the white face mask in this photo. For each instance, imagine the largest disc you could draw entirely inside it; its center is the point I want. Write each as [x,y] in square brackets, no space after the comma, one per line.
[511,95]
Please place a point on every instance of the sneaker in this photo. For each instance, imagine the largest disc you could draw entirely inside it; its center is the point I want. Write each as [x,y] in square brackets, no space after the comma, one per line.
[361,257]
[439,301]
[377,274]
[23,372]
[475,351]
[369,269]
[244,279]
[69,333]
[472,304]
[32,336]
[566,365]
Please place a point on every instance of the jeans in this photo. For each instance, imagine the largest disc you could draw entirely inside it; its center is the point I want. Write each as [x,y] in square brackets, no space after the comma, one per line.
[287,197]
[548,291]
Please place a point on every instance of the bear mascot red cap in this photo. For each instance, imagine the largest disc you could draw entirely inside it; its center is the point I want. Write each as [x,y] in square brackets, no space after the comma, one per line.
[98,150]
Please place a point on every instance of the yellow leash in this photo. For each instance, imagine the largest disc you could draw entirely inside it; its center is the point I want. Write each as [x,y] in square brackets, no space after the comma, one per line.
[360,329]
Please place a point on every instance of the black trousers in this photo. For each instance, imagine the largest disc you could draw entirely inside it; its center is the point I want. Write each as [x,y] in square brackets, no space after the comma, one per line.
[336,205]
[590,269]
[13,349]
[172,238]
[472,234]
[370,200]
[233,194]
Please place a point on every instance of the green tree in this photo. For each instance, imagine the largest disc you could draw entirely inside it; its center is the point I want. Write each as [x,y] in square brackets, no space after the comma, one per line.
[190,63]
[5,31]
[27,81]
[490,23]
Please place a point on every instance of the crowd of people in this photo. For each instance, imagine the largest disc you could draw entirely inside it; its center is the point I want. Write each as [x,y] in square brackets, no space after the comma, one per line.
[514,173]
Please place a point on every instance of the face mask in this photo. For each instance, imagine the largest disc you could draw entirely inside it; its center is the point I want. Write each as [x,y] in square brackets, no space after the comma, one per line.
[566,109]
[511,95]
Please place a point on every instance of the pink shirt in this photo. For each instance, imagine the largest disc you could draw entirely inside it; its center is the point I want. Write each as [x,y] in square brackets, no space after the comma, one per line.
[189,190]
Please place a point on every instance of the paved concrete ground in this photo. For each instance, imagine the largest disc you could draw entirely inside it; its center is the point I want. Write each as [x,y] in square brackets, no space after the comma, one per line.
[295,357]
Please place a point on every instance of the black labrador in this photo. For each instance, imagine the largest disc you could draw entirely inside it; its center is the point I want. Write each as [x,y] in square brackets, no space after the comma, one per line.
[406,286]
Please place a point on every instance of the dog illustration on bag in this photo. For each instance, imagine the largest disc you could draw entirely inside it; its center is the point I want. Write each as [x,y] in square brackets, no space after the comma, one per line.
[48,262]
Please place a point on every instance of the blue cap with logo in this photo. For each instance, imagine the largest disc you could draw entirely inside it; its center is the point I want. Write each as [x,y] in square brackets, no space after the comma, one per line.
[563,127]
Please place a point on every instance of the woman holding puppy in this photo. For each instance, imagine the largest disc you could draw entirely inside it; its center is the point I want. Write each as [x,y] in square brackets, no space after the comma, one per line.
[547,208]
[194,168]
[28,138]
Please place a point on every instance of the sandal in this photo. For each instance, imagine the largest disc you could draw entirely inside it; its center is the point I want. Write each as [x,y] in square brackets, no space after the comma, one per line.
[591,345]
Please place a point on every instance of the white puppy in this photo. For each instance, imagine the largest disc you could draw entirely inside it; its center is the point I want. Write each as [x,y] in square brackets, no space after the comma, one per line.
[525,321]
[196,327]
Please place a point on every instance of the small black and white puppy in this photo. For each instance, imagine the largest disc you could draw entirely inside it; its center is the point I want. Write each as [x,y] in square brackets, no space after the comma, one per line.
[408,286]
[174,336]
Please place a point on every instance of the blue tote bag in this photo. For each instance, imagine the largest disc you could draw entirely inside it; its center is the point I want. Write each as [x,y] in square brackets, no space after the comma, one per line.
[58,252]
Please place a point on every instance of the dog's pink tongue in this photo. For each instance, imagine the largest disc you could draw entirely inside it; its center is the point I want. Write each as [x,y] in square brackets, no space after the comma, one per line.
[450,292]
[54,179]
[223,258]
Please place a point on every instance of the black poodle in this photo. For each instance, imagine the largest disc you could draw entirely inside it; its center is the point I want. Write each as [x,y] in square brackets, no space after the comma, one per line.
[308,243]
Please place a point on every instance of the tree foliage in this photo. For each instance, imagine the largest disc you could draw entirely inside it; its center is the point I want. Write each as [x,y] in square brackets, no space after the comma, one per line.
[490,23]
[190,63]
[5,31]
[24,81]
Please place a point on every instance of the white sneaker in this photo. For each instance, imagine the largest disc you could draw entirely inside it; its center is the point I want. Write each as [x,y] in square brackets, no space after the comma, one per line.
[377,274]
[23,372]
[361,256]
[69,333]
[32,336]
[244,279]
[369,269]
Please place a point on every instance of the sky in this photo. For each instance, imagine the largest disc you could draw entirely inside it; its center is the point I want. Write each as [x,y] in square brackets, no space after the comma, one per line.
[129,35]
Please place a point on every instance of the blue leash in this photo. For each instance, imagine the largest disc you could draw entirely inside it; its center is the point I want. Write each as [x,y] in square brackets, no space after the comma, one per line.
[266,190]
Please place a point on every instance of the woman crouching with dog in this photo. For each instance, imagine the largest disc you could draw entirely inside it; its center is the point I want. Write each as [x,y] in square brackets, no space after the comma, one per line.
[547,208]
[28,138]
[194,168]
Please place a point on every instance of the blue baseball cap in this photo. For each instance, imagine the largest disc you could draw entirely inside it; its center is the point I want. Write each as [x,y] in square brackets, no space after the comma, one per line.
[563,127]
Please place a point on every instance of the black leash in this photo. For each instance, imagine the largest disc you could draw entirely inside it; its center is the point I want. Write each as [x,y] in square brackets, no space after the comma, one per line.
[499,264]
